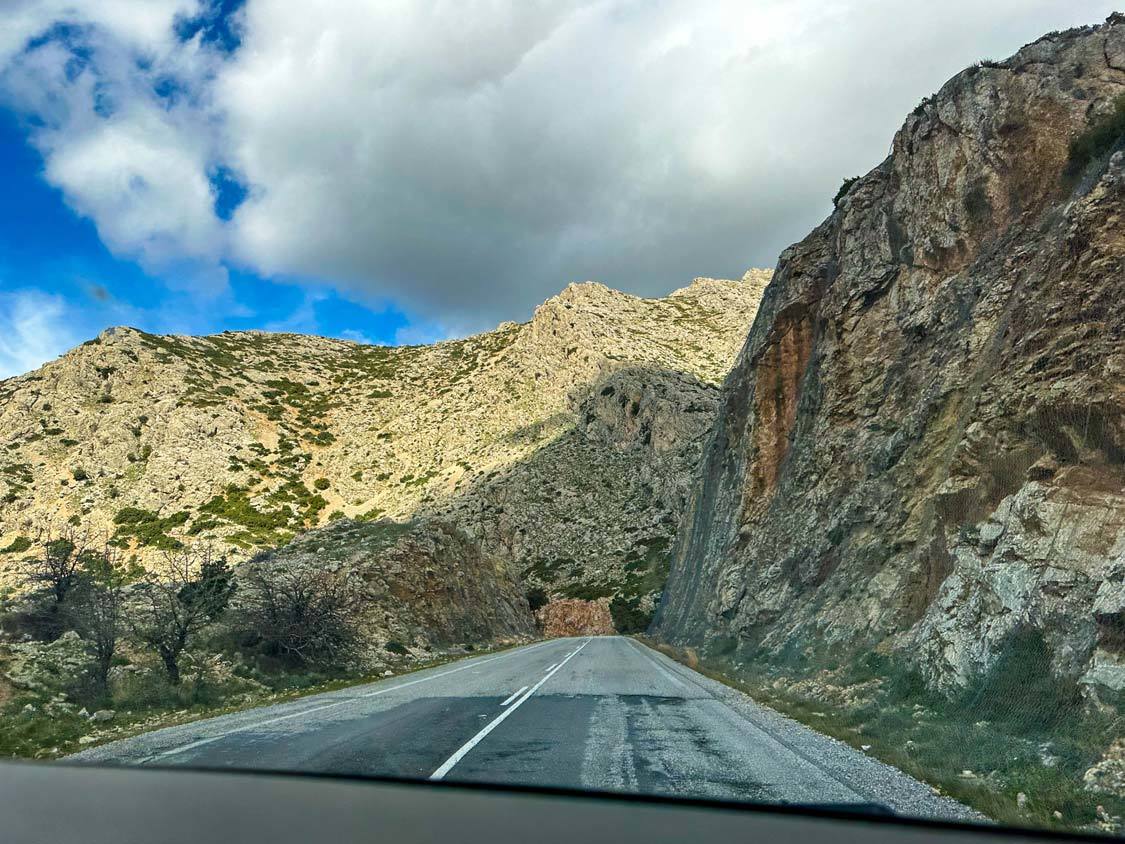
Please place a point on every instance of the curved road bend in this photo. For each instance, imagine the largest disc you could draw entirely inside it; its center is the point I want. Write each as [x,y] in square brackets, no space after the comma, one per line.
[592,713]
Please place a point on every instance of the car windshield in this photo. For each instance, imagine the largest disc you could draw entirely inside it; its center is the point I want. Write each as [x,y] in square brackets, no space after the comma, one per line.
[715,401]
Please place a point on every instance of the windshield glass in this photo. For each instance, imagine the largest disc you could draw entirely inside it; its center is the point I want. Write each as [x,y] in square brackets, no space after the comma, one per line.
[693,400]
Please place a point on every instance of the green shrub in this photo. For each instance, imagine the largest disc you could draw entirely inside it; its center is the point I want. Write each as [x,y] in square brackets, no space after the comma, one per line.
[1102,136]
[628,617]
[234,506]
[17,546]
[1020,691]
[537,598]
[142,688]
[148,528]
[202,524]
[80,474]
[588,591]
[321,483]
[843,191]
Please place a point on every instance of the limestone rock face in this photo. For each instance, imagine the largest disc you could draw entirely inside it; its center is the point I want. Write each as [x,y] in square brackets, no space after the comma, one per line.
[921,444]
[564,446]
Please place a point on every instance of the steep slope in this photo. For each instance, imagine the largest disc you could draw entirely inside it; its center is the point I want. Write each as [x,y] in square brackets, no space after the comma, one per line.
[921,446]
[558,444]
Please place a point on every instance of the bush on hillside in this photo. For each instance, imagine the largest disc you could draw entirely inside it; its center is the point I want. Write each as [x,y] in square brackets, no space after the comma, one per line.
[1102,136]
[844,188]
[305,616]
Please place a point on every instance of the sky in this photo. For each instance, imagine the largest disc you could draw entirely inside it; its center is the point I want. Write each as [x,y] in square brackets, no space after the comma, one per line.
[403,171]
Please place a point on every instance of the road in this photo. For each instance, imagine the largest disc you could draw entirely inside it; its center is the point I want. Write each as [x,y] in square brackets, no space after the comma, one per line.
[597,713]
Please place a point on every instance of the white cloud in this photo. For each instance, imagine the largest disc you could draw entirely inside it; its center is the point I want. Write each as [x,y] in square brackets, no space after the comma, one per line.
[467,158]
[143,180]
[137,24]
[34,328]
[135,163]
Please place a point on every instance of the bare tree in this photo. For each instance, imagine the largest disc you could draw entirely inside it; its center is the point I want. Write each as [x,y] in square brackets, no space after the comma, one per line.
[99,602]
[56,569]
[172,604]
[52,572]
[298,613]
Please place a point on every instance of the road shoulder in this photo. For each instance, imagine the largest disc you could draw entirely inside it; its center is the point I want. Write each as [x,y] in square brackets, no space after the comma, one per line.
[874,780]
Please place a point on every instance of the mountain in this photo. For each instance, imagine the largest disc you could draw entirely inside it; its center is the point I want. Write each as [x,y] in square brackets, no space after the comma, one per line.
[562,447]
[920,453]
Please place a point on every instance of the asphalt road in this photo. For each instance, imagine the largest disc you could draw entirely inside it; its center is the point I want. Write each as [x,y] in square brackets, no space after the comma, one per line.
[599,713]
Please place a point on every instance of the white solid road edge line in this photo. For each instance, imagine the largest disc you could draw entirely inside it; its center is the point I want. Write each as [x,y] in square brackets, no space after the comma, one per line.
[651,657]
[199,743]
[514,695]
[447,766]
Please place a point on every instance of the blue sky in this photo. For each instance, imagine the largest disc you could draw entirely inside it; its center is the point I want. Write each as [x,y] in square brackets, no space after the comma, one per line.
[52,259]
[407,170]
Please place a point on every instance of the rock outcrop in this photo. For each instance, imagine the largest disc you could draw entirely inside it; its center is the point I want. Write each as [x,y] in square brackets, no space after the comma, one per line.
[575,617]
[424,586]
[921,448]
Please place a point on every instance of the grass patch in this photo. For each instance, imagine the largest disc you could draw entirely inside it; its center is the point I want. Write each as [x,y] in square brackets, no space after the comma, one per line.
[41,735]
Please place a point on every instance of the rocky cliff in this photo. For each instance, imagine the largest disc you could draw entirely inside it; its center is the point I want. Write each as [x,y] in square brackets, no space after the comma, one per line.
[564,446]
[921,445]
